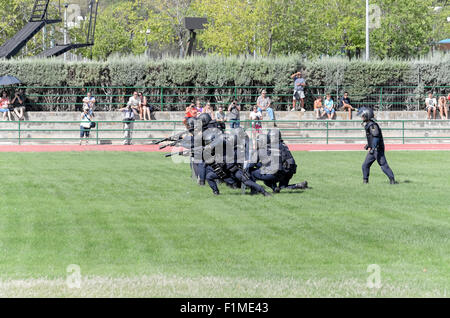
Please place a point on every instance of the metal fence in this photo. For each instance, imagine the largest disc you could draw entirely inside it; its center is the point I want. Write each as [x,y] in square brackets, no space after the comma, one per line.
[45,98]
[295,131]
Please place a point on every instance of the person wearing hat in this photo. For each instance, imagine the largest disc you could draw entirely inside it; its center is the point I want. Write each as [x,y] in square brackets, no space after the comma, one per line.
[374,146]
[85,125]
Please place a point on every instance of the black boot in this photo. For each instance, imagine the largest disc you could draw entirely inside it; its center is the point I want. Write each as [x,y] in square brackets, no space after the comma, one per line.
[392,181]
[301,185]
[366,181]
[216,192]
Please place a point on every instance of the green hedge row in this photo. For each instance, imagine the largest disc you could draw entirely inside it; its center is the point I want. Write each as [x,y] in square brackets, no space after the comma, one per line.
[358,77]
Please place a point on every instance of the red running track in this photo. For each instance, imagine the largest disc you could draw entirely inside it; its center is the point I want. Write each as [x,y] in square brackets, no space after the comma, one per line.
[152,148]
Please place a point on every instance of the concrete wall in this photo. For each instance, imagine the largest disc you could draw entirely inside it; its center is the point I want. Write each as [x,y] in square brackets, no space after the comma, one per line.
[35,130]
[309,115]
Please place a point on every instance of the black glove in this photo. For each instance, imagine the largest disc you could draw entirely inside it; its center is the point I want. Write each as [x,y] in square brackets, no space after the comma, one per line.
[366,147]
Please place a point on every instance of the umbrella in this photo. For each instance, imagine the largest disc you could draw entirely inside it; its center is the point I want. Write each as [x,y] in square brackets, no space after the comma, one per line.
[8,80]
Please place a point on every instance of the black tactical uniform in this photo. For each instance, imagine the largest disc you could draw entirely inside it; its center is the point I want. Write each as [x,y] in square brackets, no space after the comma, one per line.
[230,170]
[282,170]
[375,143]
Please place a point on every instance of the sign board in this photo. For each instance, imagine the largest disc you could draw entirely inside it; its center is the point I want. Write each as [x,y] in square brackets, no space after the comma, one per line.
[194,23]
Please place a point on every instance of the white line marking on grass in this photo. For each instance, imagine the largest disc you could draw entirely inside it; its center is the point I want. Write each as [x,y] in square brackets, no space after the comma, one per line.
[176,286]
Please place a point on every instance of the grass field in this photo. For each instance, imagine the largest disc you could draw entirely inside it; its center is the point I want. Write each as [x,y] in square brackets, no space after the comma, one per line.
[137,225]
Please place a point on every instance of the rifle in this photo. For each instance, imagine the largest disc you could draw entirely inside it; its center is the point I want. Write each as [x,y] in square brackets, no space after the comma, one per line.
[185,152]
[169,145]
[175,137]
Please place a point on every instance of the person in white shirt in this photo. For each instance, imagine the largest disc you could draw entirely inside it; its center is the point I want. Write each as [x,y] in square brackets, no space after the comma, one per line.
[431,105]
[89,101]
[255,117]
[135,101]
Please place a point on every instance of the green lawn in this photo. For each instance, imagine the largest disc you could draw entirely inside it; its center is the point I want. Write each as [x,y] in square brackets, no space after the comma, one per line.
[137,225]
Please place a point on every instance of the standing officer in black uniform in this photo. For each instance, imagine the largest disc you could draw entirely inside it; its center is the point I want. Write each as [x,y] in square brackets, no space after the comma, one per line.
[375,146]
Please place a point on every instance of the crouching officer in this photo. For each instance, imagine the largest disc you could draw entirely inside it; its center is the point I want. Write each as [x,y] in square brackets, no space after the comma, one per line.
[375,146]
[276,165]
[228,169]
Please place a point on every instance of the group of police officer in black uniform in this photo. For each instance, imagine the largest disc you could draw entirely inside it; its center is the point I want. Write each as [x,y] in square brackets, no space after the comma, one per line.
[234,159]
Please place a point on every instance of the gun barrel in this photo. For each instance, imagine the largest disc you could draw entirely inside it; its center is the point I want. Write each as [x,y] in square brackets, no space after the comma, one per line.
[175,137]
[181,153]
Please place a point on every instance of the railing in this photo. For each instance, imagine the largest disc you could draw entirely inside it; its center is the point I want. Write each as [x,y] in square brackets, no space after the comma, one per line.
[54,98]
[295,131]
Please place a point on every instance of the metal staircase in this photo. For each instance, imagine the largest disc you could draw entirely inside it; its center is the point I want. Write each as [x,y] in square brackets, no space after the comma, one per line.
[39,10]
[60,49]
[37,21]
[64,48]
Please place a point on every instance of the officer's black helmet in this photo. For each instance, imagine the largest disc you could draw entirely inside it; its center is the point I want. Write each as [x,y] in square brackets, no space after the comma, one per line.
[205,119]
[366,113]
[191,123]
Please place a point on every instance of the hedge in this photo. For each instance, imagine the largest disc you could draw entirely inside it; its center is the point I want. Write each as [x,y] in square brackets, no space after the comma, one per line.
[359,78]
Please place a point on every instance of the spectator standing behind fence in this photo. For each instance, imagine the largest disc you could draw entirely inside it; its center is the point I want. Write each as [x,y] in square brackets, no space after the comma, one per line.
[430,105]
[443,112]
[191,111]
[234,114]
[18,103]
[221,118]
[128,122]
[329,107]
[299,91]
[318,108]
[4,105]
[199,107]
[89,101]
[85,125]
[209,110]
[345,104]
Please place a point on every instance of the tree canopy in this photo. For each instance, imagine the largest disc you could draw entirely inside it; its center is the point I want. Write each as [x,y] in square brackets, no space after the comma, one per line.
[312,28]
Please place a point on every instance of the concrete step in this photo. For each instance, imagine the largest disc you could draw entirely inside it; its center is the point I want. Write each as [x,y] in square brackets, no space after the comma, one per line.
[68,125]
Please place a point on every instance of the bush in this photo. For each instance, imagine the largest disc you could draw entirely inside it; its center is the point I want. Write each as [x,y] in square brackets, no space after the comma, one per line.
[200,76]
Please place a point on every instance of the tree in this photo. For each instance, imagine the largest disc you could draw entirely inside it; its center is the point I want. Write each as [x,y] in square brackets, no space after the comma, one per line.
[115,30]
[168,16]
[406,28]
